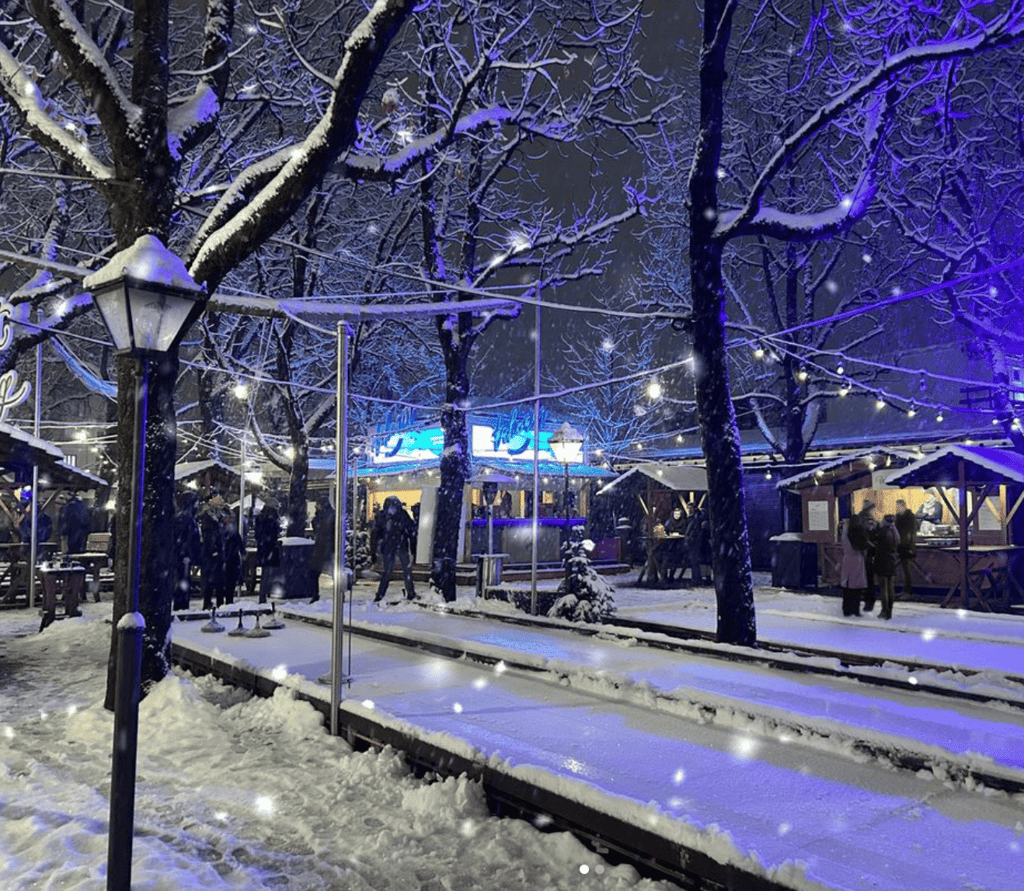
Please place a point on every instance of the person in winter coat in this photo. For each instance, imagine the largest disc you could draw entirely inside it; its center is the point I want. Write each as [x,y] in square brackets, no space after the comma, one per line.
[267,530]
[212,566]
[675,549]
[44,526]
[73,525]
[852,574]
[906,526]
[887,540]
[697,534]
[187,551]
[394,532]
[234,553]
[322,556]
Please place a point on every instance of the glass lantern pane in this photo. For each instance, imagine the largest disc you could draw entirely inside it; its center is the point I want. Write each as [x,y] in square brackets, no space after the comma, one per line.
[114,309]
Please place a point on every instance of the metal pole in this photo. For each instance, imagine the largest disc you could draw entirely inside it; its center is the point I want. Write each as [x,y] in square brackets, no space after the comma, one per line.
[341,470]
[129,667]
[536,467]
[33,555]
[241,492]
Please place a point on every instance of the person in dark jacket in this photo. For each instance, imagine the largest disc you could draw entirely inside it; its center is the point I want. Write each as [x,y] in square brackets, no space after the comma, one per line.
[212,565]
[675,547]
[394,530]
[234,552]
[73,524]
[44,526]
[886,541]
[322,556]
[187,550]
[267,530]
[697,533]
[906,526]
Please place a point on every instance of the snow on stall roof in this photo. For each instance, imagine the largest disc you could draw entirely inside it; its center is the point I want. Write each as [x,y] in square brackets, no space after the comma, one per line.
[798,479]
[185,469]
[12,432]
[941,465]
[678,477]
[147,259]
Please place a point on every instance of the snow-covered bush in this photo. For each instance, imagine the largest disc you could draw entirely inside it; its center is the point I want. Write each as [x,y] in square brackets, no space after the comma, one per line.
[584,595]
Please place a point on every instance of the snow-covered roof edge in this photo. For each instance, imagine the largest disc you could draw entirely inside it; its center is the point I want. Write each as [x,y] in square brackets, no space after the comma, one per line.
[999,461]
[798,478]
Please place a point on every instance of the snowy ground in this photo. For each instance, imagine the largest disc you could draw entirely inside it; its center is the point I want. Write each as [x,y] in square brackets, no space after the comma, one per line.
[246,793]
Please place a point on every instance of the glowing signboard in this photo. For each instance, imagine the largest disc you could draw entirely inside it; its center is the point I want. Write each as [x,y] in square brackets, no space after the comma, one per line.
[428,444]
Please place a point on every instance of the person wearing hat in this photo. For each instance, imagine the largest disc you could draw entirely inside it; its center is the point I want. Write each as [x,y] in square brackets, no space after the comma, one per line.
[394,537]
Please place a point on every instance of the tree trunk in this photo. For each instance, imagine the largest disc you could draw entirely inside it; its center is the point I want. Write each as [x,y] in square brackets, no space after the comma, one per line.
[716,414]
[156,564]
[454,474]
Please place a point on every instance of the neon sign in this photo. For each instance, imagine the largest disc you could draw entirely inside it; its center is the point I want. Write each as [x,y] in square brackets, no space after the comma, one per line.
[506,442]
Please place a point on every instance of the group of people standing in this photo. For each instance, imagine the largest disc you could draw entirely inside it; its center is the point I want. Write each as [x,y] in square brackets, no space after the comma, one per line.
[871,553]
[693,549]
[207,537]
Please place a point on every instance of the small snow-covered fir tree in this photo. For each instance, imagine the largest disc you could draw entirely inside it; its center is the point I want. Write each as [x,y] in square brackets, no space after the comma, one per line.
[584,595]
[359,556]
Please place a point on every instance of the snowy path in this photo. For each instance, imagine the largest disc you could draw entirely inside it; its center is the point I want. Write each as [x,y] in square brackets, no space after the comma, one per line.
[950,637]
[854,825]
[695,681]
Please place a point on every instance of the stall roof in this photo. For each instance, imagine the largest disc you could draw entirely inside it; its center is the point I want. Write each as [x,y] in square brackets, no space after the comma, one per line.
[983,465]
[677,477]
[20,450]
[187,469]
[829,472]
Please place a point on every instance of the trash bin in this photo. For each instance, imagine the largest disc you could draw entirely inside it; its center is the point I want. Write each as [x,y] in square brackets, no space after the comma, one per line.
[294,577]
[794,561]
[488,571]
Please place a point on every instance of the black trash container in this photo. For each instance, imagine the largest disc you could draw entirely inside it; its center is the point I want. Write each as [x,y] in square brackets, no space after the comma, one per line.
[294,577]
[794,561]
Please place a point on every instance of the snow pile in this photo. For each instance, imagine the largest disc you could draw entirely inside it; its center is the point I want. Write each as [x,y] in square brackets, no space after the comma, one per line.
[234,792]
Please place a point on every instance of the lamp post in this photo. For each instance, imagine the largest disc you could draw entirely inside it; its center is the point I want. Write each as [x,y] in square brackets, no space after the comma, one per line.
[147,301]
[566,444]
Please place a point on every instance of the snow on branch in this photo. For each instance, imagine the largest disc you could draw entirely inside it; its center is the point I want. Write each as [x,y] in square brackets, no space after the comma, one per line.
[87,64]
[192,120]
[1006,30]
[387,168]
[19,87]
[329,138]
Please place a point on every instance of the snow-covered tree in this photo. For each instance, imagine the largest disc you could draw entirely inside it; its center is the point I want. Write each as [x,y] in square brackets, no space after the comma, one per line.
[159,102]
[490,211]
[860,65]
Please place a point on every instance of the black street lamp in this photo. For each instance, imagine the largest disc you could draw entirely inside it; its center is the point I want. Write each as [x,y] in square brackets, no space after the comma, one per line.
[147,300]
[566,444]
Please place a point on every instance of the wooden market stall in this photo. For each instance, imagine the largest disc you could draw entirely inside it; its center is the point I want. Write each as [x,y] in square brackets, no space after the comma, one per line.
[21,455]
[981,488]
[658,488]
[840,488]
